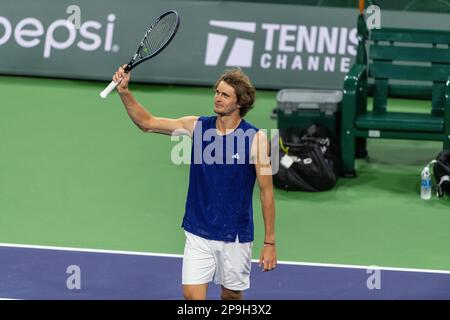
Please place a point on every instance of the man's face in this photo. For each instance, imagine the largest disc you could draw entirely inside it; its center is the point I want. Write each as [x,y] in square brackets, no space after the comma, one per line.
[225,100]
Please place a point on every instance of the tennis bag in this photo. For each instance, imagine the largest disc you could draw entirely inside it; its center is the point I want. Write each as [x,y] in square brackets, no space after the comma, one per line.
[441,171]
[309,160]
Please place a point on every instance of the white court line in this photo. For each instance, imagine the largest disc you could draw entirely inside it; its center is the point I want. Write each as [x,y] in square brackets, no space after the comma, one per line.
[154,254]
[372,267]
[137,253]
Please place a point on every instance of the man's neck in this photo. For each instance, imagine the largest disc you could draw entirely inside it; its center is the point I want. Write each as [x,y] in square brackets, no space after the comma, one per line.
[227,123]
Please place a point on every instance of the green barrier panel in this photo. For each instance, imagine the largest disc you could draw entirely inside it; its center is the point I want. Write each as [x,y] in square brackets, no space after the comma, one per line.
[279,46]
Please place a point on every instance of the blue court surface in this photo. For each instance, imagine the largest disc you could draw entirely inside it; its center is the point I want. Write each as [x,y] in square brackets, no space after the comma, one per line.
[33,272]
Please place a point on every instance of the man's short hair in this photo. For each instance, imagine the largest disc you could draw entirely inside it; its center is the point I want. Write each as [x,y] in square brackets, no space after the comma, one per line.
[245,92]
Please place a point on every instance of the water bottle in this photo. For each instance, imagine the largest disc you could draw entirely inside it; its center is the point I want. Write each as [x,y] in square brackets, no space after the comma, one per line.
[425,184]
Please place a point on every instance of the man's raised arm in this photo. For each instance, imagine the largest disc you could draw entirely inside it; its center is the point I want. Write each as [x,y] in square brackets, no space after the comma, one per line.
[142,118]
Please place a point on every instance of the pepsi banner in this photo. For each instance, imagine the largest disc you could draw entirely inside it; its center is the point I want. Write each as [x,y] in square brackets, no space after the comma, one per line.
[279,46]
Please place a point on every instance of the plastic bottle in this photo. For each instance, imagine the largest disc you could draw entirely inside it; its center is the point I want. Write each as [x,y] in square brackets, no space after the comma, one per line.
[425,184]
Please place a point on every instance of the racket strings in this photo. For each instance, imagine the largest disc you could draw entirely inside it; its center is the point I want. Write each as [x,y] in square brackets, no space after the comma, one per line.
[157,37]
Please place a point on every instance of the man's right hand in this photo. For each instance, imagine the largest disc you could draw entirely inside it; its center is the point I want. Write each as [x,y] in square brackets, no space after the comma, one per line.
[122,78]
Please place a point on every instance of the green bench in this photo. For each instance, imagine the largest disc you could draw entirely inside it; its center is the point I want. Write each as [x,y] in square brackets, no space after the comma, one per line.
[406,63]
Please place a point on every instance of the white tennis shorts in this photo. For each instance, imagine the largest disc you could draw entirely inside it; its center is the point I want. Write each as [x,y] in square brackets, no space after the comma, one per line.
[227,263]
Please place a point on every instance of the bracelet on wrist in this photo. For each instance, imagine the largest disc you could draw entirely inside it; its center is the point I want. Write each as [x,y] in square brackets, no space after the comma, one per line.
[269,243]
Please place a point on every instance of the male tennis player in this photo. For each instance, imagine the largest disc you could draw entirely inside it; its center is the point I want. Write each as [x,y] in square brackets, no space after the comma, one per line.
[218,220]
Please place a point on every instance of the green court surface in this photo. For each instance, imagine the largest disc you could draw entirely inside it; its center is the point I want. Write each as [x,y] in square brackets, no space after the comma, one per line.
[76,172]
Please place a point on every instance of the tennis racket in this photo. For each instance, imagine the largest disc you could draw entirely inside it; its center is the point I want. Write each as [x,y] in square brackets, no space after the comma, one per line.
[157,37]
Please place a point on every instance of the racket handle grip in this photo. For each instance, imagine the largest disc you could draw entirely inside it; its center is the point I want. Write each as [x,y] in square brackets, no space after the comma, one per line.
[108,89]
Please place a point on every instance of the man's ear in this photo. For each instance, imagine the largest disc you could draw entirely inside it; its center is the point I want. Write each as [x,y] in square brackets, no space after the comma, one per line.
[238,106]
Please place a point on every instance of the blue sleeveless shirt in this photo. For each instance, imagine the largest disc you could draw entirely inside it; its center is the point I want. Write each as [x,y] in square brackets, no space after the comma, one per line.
[222,177]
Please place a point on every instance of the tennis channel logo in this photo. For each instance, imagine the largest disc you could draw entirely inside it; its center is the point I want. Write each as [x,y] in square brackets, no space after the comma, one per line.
[279,46]
[60,34]
[241,53]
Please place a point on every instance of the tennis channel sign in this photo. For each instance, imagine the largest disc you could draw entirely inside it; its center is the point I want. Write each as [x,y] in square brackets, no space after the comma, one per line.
[278,46]
[285,46]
